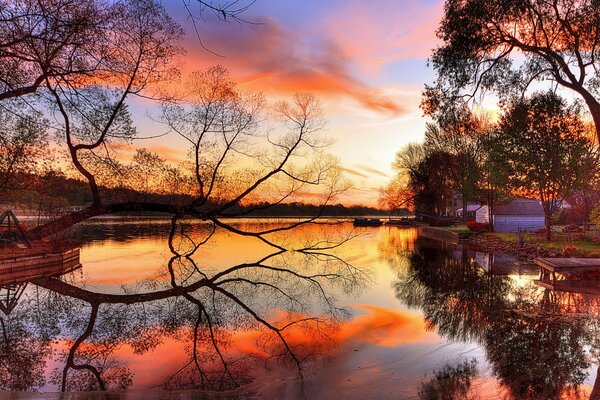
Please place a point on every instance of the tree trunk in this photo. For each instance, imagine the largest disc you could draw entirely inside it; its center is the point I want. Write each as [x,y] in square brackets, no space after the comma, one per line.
[594,107]
[595,395]
[491,209]
[464,208]
[547,221]
[491,217]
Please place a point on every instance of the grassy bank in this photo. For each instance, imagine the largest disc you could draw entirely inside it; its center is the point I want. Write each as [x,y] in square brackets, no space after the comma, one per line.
[456,229]
[562,244]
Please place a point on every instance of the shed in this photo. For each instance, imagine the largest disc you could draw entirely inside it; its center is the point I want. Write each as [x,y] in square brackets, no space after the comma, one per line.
[518,214]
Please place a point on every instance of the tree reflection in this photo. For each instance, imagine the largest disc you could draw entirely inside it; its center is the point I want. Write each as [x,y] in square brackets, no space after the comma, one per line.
[536,351]
[283,301]
[450,383]
[23,352]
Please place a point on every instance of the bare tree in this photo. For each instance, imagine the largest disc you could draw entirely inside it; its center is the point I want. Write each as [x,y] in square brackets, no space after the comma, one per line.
[237,165]
[50,40]
[143,41]
[81,41]
[87,83]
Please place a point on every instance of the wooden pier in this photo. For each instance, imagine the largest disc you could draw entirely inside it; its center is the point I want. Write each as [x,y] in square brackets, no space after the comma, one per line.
[22,268]
[561,274]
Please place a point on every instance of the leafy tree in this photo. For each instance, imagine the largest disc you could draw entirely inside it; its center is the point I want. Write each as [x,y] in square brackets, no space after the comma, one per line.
[400,191]
[433,184]
[422,179]
[505,46]
[461,134]
[450,160]
[543,145]
[22,146]
[494,175]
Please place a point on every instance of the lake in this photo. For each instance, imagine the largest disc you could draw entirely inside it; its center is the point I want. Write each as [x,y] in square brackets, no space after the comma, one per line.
[189,310]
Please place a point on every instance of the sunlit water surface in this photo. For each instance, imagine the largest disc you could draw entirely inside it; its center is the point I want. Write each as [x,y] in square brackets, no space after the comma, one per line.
[423,319]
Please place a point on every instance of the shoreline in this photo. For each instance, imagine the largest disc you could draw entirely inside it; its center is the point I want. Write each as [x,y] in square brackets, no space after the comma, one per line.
[528,252]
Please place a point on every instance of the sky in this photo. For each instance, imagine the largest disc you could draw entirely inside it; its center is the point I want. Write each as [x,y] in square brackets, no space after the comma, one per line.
[366,62]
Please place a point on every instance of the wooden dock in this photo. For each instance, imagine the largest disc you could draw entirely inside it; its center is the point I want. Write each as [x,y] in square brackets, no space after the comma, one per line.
[560,265]
[581,287]
[558,273]
[23,268]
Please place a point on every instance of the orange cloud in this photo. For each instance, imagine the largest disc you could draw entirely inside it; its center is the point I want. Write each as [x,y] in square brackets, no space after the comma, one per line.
[378,326]
[355,172]
[127,150]
[372,171]
[272,59]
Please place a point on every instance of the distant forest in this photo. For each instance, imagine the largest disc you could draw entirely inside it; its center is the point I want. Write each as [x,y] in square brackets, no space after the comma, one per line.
[54,192]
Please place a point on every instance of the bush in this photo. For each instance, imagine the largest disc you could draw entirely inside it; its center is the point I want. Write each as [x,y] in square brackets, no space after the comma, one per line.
[568,251]
[478,226]
[571,228]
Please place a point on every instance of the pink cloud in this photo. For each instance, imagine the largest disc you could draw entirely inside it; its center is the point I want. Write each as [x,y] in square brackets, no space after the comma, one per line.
[375,35]
[275,60]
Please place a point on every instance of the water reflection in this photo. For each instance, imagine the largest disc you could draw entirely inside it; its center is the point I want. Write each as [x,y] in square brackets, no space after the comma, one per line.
[384,314]
[451,382]
[536,347]
[281,303]
[10,293]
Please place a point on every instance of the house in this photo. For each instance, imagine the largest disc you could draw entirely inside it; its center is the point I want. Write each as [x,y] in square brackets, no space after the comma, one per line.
[518,214]
[471,211]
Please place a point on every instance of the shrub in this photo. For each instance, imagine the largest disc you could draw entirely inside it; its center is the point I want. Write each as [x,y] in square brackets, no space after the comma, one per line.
[568,251]
[571,228]
[478,226]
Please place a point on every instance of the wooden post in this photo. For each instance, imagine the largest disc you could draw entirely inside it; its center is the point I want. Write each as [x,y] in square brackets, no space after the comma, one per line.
[9,215]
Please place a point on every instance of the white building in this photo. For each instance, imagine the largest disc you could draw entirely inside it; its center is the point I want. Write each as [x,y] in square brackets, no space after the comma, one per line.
[519,214]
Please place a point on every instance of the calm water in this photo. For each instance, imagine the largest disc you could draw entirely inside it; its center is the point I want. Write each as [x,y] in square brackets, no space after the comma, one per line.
[375,313]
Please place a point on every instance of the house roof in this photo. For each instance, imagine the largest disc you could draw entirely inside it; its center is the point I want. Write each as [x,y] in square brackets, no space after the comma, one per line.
[520,207]
[470,207]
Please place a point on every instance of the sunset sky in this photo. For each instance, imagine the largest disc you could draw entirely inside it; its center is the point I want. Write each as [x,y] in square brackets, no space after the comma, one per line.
[365,61]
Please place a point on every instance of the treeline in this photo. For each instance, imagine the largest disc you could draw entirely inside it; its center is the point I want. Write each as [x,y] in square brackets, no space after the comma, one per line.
[311,210]
[55,193]
[539,147]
